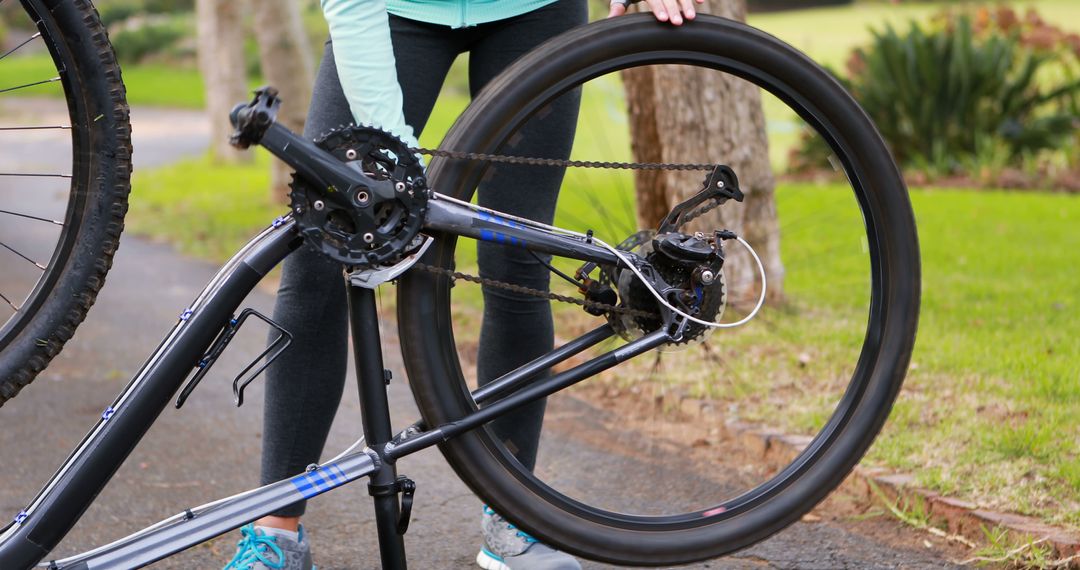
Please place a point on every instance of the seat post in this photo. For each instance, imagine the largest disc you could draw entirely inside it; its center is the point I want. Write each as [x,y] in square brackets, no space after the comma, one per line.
[372,381]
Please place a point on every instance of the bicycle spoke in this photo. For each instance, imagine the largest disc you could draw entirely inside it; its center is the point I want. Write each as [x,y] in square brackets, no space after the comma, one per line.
[53,80]
[24,42]
[18,253]
[4,297]
[36,128]
[28,216]
[35,175]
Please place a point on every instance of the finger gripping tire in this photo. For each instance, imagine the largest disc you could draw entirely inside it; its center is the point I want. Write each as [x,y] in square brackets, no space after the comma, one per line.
[100,182]
[426,328]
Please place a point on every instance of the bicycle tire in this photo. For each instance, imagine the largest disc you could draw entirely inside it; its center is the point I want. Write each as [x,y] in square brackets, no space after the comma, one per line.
[95,98]
[426,328]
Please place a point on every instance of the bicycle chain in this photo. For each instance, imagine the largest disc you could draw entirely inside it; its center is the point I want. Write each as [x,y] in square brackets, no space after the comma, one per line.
[530,291]
[506,159]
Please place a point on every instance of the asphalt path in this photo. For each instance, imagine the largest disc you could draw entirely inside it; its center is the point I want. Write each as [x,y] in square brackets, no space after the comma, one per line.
[210,448]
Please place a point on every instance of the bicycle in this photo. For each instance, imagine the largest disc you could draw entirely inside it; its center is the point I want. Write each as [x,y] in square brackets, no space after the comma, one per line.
[364,199]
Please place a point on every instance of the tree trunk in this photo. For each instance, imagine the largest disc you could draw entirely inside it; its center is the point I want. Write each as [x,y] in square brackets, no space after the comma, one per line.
[287,65]
[221,62]
[684,114]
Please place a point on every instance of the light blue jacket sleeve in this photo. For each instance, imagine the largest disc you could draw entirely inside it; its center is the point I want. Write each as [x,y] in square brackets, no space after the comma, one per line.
[364,57]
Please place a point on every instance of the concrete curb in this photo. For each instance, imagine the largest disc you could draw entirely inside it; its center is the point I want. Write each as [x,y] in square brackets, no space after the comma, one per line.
[961,517]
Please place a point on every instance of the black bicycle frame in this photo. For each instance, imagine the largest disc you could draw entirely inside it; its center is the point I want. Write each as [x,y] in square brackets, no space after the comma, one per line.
[38,528]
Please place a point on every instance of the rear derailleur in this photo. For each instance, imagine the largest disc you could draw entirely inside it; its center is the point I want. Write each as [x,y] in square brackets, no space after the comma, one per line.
[685,269]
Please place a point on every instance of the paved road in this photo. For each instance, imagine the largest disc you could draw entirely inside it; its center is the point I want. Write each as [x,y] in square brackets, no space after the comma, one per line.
[211,449]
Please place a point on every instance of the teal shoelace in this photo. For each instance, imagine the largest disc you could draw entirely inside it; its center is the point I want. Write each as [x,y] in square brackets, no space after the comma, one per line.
[252,549]
[520,533]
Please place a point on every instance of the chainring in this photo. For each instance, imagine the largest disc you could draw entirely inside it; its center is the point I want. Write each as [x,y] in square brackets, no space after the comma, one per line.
[352,235]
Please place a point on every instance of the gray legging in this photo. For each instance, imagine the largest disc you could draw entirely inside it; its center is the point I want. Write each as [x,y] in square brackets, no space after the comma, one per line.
[305,385]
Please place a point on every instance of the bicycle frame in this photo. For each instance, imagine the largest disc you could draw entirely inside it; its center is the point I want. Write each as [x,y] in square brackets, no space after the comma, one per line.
[37,529]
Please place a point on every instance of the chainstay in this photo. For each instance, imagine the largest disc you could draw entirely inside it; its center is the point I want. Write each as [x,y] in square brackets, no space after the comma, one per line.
[532,161]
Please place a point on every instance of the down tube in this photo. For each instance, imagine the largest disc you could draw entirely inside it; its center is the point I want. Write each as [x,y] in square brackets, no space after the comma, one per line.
[39,527]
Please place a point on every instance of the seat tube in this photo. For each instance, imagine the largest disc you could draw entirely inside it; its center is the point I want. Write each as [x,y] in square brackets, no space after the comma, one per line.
[372,380]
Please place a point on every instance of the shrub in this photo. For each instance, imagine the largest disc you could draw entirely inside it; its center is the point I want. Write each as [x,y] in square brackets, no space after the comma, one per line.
[780,5]
[139,38]
[116,12]
[968,87]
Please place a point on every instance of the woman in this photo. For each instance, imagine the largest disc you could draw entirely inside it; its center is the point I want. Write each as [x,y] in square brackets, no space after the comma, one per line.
[385,66]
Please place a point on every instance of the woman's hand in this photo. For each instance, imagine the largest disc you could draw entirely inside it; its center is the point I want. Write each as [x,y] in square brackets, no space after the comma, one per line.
[673,11]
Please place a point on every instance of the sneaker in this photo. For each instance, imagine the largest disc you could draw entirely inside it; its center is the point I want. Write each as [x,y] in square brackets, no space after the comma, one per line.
[265,548]
[507,548]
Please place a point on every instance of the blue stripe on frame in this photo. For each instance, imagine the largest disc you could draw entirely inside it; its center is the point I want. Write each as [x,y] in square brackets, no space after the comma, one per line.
[340,471]
[319,481]
[304,487]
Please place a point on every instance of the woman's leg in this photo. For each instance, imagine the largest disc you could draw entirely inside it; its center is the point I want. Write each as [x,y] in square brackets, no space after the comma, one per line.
[305,385]
[423,54]
[518,328]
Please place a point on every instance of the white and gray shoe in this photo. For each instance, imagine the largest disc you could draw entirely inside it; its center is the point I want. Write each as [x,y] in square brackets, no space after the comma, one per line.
[508,548]
[265,548]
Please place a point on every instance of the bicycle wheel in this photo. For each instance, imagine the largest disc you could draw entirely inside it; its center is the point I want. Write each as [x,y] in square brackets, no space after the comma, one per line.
[64,180]
[644,464]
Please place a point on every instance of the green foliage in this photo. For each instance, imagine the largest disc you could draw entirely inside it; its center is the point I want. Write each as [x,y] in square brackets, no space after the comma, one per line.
[944,96]
[909,509]
[116,11]
[149,37]
[778,5]
[1005,550]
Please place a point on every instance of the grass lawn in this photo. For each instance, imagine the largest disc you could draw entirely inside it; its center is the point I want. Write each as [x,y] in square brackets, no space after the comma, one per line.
[158,85]
[990,405]
[230,202]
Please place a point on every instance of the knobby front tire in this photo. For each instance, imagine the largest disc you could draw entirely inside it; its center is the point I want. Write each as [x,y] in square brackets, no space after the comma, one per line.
[87,168]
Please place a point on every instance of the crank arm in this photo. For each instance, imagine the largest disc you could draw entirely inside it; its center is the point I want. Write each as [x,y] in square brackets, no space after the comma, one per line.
[255,123]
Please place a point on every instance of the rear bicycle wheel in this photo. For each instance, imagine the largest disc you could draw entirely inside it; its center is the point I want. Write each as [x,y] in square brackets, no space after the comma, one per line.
[642,465]
[64,178]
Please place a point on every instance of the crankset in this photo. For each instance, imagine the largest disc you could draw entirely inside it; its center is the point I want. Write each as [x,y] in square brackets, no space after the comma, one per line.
[364,230]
